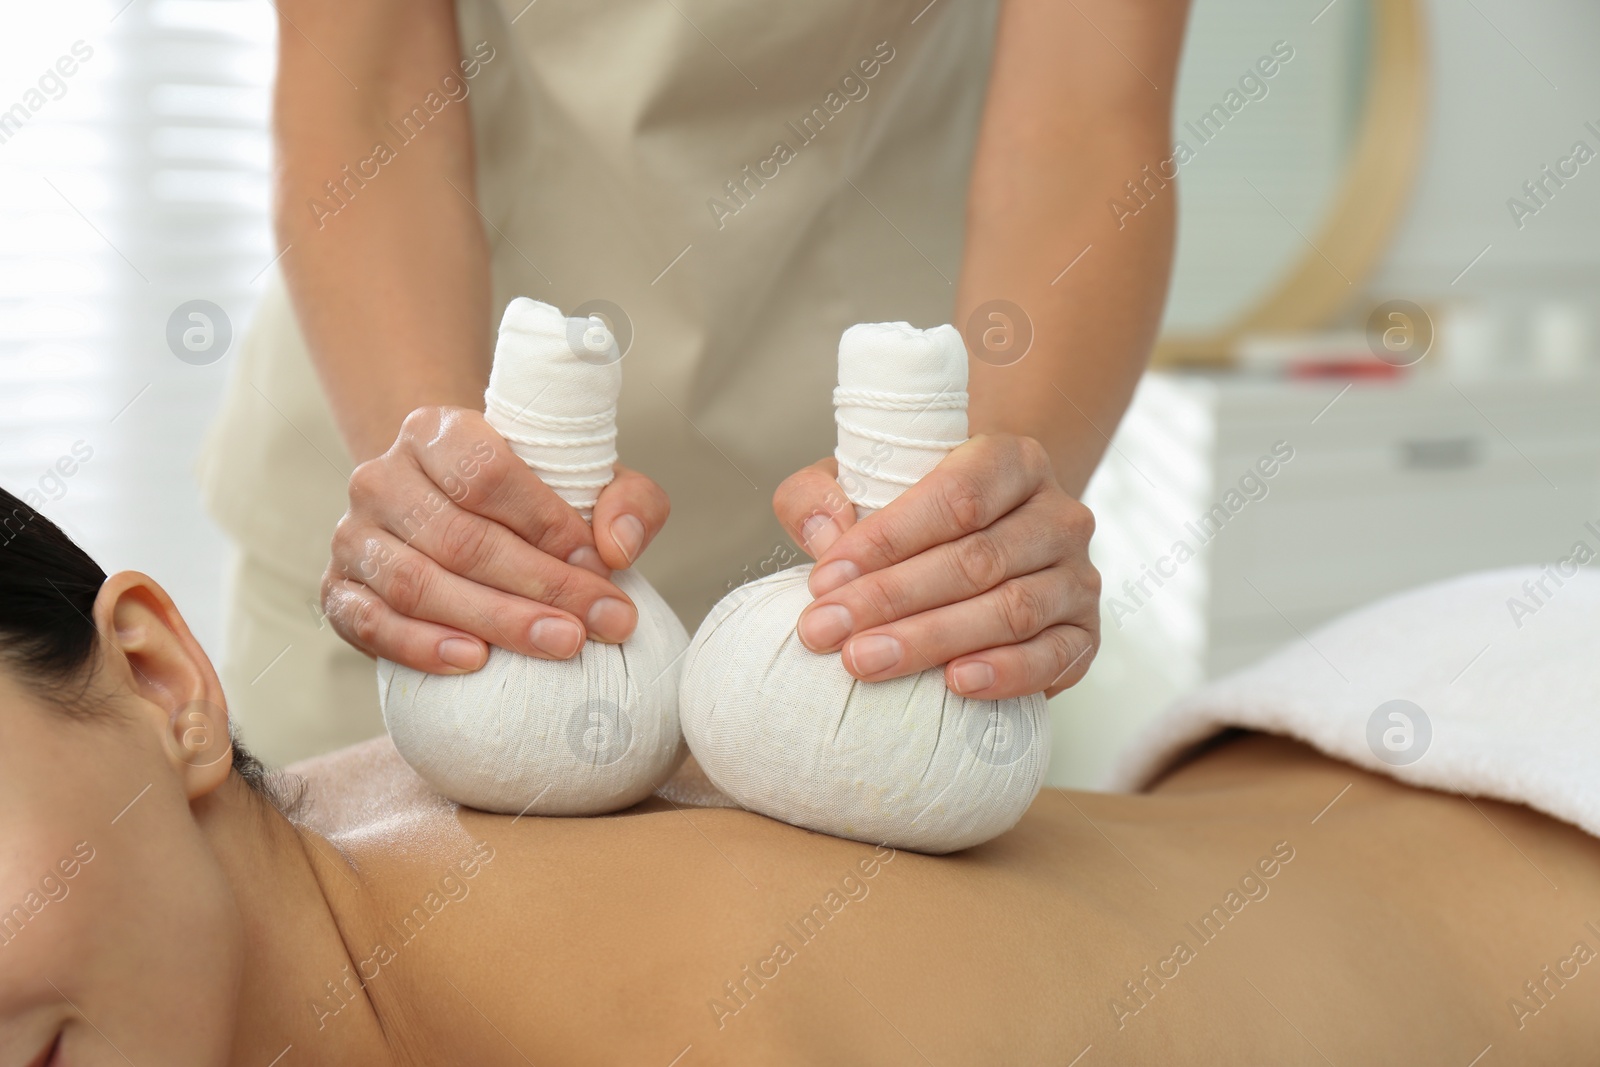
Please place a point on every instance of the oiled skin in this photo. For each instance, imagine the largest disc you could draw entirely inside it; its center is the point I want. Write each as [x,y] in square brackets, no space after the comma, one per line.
[1398,932]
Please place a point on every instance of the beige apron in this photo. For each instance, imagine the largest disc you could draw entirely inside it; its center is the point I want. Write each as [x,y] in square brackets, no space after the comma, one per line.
[744,180]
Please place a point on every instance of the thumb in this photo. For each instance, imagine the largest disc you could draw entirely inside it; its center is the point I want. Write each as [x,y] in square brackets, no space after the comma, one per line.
[813,508]
[627,517]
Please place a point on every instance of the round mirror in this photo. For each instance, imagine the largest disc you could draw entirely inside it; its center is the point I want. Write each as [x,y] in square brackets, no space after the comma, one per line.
[1296,136]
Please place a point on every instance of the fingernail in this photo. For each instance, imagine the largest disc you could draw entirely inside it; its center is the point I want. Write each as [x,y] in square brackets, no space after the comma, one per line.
[556,637]
[589,559]
[830,576]
[819,533]
[461,653]
[972,677]
[610,619]
[878,652]
[628,532]
[824,628]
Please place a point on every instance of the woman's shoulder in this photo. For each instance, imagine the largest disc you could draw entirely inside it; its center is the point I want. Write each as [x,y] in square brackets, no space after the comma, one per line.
[358,787]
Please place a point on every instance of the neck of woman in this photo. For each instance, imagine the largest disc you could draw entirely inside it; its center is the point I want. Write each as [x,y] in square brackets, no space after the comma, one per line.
[299,900]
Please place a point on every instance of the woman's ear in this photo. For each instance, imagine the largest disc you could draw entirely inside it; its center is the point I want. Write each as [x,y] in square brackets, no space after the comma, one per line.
[151,653]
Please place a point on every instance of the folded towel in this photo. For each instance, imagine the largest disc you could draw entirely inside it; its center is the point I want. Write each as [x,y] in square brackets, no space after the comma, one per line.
[1487,684]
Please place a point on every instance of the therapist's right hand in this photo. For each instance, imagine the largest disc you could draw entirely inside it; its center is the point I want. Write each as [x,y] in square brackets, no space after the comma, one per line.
[452,544]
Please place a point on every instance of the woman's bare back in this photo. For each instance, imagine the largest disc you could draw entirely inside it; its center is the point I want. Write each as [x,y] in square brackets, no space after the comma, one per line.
[1262,903]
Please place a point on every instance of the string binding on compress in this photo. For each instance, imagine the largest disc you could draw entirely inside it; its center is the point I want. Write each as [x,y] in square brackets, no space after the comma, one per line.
[944,400]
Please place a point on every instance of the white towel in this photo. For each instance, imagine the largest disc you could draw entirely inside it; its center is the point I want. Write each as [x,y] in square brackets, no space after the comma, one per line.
[1504,666]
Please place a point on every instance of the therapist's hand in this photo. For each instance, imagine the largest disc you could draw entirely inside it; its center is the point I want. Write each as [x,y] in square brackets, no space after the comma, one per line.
[982,566]
[452,544]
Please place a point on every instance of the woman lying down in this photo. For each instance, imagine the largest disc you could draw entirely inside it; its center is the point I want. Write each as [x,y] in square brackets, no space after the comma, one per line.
[168,903]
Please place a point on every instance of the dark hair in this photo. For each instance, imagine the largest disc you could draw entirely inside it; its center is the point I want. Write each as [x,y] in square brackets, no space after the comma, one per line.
[48,587]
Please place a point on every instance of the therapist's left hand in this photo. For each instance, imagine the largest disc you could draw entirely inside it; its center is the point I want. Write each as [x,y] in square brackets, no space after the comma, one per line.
[982,566]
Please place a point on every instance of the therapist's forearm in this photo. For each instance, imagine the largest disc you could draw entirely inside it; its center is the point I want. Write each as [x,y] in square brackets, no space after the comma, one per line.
[390,280]
[1065,127]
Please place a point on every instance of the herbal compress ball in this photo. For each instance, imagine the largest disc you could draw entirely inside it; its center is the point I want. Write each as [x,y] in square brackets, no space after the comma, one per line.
[583,736]
[788,732]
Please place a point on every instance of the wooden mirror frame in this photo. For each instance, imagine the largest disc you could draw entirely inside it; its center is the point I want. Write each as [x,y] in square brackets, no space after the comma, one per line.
[1357,228]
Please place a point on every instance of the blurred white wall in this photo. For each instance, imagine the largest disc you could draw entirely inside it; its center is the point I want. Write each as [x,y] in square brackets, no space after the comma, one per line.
[127,188]
[1515,82]
[1258,180]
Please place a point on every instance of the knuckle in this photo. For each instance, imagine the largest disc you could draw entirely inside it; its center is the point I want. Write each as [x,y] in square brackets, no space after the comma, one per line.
[788,489]
[880,538]
[410,520]
[365,481]
[795,493]
[1070,654]
[407,584]
[545,520]
[362,618]
[341,543]
[325,590]
[421,423]
[980,561]
[487,475]
[1090,578]
[1033,455]
[1079,520]
[884,595]
[463,541]
[962,495]
[365,560]
[458,430]
[562,586]
[1023,610]
[1062,652]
